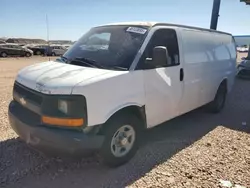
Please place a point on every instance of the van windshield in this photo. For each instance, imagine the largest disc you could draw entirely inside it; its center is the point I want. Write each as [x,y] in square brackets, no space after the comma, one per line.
[110,47]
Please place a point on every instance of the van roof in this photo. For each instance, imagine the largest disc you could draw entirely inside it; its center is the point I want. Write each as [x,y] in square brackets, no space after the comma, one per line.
[152,24]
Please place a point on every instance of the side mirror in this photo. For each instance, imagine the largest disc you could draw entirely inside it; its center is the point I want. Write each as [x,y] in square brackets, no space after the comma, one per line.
[160,57]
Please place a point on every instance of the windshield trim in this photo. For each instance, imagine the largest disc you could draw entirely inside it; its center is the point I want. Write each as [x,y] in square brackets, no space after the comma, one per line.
[143,46]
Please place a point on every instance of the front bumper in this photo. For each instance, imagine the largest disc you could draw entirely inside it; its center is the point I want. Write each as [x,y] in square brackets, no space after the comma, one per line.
[53,141]
[243,72]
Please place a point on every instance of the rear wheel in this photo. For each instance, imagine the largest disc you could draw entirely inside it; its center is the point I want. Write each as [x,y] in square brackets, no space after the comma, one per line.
[220,98]
[122,134]
[4,54]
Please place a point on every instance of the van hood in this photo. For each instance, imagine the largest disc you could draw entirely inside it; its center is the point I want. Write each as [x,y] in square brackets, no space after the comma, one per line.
[59,78]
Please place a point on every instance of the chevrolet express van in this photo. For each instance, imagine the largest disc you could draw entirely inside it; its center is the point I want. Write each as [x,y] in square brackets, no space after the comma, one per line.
[118,80]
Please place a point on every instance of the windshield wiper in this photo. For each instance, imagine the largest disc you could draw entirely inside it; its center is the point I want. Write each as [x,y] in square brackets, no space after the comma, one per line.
[91,63]
[117,68]
[88,61]
[62,58]
[83,61]
[99,65]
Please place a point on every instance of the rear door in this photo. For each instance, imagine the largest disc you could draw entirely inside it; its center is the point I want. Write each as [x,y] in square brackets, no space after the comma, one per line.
[18,50]
[10,50]
[14,50]
[163,84]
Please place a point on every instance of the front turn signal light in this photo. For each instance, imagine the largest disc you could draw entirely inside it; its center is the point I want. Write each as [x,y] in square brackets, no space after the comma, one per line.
[69,122]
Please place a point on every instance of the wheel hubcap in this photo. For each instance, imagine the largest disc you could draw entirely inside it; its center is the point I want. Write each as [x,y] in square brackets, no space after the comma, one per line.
[122,141]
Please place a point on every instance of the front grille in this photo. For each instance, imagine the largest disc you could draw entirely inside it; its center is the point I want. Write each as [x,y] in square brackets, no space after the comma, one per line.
[27,93]
[24,114]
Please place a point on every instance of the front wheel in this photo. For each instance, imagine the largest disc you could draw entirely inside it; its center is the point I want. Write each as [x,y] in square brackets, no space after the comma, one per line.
[122,134]
[27,54]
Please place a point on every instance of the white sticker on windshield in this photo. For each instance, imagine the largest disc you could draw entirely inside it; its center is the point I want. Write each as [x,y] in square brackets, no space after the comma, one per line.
[137,30]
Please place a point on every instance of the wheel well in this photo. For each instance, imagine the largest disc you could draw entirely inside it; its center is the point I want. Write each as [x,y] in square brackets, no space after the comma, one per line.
[224,83]
[134,110]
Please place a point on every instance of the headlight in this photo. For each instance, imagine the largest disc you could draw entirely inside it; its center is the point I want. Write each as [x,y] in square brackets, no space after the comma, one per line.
[66,110]
[63,106]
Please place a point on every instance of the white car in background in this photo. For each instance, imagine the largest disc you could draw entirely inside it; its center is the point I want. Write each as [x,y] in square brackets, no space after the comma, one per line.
[58,50]
[242,49]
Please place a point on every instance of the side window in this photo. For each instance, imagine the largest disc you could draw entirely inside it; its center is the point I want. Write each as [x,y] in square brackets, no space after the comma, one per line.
[17,47]
[162,37]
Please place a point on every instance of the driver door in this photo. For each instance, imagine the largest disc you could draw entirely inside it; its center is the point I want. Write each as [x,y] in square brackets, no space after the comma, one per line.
[163,84]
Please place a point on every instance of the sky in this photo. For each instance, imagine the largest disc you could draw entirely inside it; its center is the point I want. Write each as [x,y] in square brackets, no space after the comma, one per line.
[70,19]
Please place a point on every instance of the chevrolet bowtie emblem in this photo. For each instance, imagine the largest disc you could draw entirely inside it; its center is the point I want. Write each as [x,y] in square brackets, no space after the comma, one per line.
[23,101]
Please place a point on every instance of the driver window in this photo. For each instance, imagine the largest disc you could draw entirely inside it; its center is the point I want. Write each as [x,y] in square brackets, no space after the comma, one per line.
[162,37]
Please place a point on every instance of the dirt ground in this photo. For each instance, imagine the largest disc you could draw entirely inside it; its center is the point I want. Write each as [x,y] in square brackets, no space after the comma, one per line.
[198,149]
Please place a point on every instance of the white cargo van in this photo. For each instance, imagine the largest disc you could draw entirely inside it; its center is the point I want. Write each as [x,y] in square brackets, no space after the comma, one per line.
[118,80]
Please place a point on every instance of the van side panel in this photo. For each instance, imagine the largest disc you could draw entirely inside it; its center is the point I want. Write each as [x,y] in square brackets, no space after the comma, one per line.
[209,57]
[222,66]
[193,60]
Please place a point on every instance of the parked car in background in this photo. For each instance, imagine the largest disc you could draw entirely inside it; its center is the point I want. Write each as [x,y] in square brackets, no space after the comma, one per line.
[243,69]
[14,50]
[38,49]
[58,50]
[242,49]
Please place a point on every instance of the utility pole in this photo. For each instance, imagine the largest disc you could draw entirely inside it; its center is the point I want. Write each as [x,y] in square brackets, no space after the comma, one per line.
[215,14]
[47,26]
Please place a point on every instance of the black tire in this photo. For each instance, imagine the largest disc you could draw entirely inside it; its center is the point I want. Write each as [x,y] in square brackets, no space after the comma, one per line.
[38,52]
[28,54]
[53,54]
[220,98]
[110,130]
[4,54]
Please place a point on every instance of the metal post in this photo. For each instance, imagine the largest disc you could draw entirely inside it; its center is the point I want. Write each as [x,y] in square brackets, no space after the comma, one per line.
[215,14]
[248,54]
[47,26]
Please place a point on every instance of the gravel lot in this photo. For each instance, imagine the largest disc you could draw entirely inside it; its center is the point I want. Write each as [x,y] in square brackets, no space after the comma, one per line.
[195,150]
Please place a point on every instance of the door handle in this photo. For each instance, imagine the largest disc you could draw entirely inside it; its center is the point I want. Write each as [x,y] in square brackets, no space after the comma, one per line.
[181,74]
